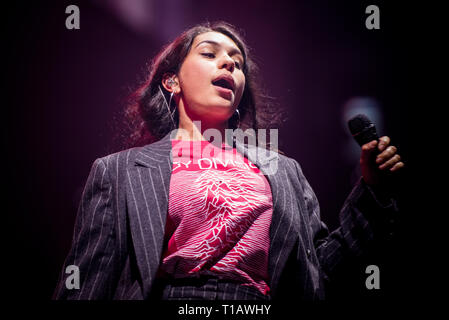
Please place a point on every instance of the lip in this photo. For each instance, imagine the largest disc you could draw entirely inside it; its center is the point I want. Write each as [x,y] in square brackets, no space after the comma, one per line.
[229,79]
[226,93]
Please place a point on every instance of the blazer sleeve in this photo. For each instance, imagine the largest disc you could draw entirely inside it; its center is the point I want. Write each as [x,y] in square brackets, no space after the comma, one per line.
[366,220]
[93,245]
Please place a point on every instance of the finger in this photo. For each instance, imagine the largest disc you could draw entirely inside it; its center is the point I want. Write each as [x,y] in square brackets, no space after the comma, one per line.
[390,163]
[383,143]
[367,151]
[397,166]
[386,155]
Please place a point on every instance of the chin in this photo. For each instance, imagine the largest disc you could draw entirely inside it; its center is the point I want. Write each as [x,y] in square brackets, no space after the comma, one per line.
[225,104]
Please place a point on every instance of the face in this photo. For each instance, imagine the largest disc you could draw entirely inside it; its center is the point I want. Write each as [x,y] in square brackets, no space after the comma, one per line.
[211,78]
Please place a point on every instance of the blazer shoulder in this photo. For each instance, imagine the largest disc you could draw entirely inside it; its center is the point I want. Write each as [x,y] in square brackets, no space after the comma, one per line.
[288,161]
[120,160]
[292,167]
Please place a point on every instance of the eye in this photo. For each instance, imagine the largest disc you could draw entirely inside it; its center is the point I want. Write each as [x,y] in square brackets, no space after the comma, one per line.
[237,64]
[208,54]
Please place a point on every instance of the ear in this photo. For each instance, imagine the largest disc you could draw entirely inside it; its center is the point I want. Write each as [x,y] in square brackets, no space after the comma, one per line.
[171,83]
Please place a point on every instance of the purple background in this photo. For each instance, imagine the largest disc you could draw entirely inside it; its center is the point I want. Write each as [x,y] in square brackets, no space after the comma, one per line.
[66,88]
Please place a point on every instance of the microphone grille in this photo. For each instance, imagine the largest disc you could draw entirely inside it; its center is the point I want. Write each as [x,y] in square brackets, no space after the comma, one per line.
[362,129]
[359,123]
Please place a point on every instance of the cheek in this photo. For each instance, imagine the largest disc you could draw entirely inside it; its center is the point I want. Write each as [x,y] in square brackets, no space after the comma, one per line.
[194,76]
[241,87]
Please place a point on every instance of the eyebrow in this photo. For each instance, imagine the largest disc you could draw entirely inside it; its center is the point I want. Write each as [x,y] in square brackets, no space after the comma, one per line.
[233,51]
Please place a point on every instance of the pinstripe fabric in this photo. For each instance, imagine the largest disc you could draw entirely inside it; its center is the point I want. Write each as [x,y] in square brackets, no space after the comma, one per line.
[210,289]
[119,230]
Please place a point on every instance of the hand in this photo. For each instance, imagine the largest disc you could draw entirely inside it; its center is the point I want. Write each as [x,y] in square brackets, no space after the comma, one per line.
[374,169]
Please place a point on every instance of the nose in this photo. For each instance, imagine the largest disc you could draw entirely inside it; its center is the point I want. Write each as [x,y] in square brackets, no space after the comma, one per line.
[227,62]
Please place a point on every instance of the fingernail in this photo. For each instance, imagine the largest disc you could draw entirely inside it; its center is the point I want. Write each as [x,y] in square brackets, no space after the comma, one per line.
[378,160]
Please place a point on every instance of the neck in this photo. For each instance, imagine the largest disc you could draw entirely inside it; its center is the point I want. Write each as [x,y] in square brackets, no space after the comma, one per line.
[191,128]
[195,129]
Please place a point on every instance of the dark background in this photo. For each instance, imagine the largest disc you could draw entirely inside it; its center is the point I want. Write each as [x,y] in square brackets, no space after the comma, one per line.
[65,90]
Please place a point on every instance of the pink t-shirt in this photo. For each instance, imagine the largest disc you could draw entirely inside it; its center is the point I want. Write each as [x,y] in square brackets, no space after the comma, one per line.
[219,215]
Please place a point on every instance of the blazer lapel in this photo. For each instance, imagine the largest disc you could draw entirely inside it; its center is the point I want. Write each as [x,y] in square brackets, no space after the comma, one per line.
[147,193]
[285,219]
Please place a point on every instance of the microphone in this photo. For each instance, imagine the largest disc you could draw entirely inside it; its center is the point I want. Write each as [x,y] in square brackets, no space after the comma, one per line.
[362,129]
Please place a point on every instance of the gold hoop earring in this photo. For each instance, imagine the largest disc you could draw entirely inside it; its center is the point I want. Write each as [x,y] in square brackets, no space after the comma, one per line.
[238,120]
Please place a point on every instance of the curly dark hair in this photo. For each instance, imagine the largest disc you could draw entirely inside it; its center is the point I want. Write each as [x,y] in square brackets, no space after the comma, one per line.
[146,116]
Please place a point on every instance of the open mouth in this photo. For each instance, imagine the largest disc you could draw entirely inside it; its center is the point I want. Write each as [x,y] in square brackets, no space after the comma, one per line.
[224,83]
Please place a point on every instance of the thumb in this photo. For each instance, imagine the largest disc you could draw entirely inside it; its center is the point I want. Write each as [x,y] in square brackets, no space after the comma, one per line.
[368,149]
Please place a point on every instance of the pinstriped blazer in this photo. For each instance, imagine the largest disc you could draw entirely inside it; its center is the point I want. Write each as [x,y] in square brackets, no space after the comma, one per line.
[119,230]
